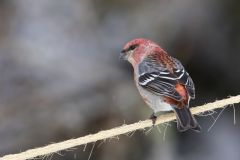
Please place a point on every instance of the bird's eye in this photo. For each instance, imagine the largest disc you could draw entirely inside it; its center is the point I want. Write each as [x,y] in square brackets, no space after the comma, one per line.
[132,47]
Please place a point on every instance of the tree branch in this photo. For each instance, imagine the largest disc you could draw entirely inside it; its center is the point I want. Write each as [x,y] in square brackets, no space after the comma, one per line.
[56,147]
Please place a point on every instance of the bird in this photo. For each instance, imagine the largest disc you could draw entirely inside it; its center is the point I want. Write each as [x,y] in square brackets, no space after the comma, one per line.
[162,81]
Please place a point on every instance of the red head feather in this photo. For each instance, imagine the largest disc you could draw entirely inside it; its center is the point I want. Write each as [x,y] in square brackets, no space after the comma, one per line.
[135,50]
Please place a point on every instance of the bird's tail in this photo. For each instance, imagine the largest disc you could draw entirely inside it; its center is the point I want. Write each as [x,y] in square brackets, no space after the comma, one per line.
[185,120]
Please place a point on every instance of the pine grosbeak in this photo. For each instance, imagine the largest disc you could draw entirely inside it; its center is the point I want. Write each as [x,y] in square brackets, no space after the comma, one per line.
[162,81]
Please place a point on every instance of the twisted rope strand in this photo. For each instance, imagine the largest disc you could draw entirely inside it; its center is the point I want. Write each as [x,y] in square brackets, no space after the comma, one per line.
[102,135]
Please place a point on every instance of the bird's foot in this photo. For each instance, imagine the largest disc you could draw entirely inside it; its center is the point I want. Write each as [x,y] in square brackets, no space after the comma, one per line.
[153,117]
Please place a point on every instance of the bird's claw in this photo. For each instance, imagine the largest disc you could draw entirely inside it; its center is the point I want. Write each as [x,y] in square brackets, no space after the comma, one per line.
[153,117]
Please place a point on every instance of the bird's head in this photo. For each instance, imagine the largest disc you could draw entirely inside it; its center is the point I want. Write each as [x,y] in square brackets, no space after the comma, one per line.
[135,50]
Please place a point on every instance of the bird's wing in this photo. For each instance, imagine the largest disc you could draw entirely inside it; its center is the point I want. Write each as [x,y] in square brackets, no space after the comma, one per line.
[185,79]
[156,77]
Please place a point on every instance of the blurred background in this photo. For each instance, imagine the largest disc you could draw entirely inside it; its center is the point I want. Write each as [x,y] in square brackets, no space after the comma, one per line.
[61,77]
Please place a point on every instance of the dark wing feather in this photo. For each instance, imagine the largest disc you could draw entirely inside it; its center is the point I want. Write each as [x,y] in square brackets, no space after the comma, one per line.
[185,79]
[159,85]
[156,78]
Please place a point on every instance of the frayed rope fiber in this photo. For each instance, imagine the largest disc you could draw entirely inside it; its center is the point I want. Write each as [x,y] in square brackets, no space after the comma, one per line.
[102,135]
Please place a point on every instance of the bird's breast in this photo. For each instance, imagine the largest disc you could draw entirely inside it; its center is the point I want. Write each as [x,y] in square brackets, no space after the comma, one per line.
[156,102]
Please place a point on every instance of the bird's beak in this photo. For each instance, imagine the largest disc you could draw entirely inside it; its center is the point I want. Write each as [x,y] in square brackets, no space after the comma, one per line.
[123,55]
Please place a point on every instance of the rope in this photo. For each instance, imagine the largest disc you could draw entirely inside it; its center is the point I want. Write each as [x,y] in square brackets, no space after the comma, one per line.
[102,135]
